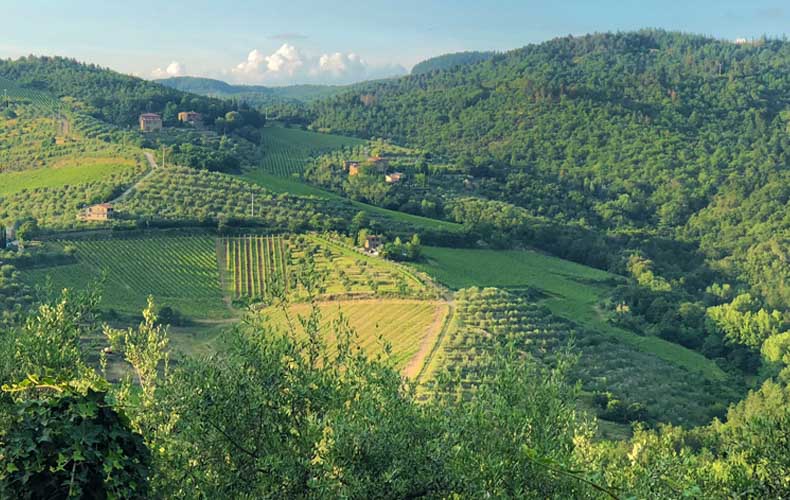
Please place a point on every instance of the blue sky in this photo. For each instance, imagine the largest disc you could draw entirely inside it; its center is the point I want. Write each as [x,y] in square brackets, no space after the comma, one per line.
[299,41]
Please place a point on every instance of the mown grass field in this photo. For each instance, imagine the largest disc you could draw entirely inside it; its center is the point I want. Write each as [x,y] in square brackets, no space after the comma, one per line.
[178,271]
[408,325]
[572,291]
[64,172]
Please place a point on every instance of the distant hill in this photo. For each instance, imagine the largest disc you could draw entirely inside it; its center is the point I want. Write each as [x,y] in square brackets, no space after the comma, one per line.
[256,95]
[448,61]
[107,95]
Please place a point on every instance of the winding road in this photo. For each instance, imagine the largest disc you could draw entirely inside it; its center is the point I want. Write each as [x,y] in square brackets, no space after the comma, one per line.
[152,167]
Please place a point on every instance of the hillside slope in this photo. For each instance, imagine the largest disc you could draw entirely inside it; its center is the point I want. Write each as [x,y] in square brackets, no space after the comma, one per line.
[673,135]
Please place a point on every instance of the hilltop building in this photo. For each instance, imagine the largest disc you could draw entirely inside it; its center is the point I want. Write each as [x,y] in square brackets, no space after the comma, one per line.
[150,122]
[98,213]
[190,118]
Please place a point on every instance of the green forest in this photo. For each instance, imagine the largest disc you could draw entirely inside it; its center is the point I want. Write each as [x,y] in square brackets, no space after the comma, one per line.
[588,240]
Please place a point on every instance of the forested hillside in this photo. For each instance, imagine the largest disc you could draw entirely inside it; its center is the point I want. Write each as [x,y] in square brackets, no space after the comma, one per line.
[112,97]
[448,61]
[256,95]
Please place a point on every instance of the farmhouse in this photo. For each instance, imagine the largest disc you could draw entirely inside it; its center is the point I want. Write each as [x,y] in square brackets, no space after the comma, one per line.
[353,169]
[373,244]
[150,122]
[190,117]
[393,178]
[101,212]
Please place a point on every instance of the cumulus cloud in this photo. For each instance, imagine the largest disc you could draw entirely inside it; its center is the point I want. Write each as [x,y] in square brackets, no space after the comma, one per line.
[175,68]
[288,64]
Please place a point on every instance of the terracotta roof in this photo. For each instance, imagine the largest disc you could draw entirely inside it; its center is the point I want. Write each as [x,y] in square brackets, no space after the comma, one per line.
[149,115]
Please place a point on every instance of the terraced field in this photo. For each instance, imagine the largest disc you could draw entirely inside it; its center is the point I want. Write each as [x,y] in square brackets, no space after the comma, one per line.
[286,150]
[179,271]
[570,291]
[490,319]
[253,264]
[408,325]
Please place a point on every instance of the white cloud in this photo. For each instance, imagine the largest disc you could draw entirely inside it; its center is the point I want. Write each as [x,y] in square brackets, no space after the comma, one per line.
[288,64]
[175,68]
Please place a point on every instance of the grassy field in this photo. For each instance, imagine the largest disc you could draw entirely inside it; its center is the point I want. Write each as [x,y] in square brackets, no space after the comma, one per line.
[571,291]
[179,271]
[408,325]
[64,172]
[287,150]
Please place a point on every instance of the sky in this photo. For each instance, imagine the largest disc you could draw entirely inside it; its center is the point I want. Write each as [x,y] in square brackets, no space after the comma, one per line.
[307,41]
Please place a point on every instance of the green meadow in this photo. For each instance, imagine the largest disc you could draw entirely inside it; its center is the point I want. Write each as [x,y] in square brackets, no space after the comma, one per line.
[66,172]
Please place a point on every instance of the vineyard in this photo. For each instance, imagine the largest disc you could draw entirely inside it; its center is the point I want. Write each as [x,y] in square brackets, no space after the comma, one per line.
[254,264]
[490,318]
[40,101]
[287,150]
[179,271]
[406,325]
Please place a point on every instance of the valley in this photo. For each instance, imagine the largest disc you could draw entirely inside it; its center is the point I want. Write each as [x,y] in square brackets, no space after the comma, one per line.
[581,246]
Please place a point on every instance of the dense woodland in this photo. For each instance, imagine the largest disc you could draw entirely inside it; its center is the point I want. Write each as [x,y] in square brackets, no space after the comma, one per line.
[449,61]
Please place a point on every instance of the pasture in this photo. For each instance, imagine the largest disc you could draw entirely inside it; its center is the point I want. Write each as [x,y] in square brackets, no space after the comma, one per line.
[409,326]
[571,291]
